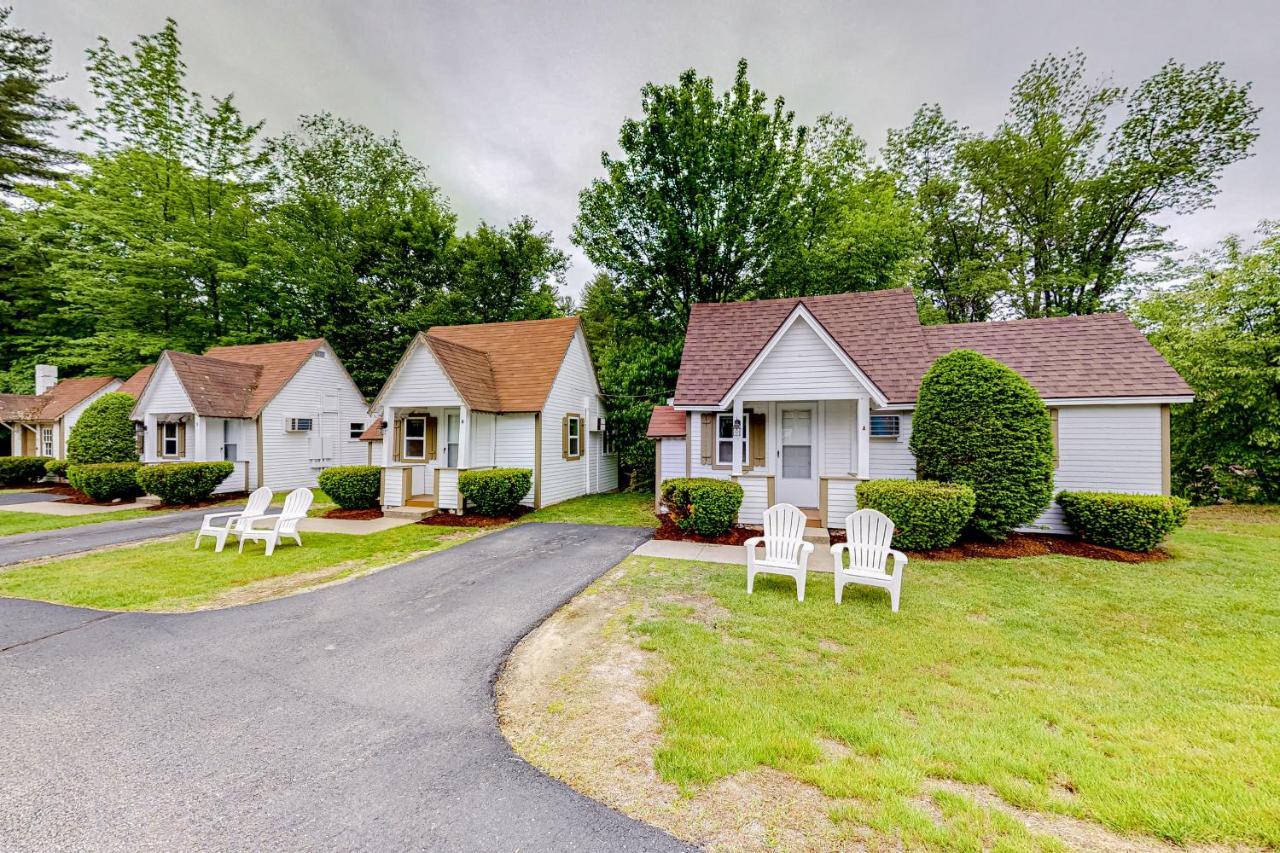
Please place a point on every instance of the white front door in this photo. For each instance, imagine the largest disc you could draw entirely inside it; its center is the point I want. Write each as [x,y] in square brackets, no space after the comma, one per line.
[797,481]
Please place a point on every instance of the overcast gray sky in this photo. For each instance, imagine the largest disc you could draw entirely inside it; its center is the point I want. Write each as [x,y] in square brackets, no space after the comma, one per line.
[510,104]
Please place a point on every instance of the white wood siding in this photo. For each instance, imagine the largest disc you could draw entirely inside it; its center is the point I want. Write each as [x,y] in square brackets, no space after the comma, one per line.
[837,437]
[696,468]
[891,459]
[755,499]
[482,439]
[1104,449]
[448,497]
[514,436]
[164,395]
[604,466]
[841,500]
[563,479]
[673,457]
[421,382]
[801,367]
[320,390]
[62,431]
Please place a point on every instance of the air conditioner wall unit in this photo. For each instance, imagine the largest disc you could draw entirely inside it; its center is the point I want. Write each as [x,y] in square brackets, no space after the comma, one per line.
[298,424]
[600,425]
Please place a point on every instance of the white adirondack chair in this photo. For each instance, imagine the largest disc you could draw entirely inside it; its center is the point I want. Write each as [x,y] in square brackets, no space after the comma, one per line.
[869,533]
[282,525]
[220,524]
[785,551]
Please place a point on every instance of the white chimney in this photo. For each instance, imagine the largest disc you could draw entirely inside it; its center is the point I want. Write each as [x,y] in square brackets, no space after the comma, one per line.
[46,377]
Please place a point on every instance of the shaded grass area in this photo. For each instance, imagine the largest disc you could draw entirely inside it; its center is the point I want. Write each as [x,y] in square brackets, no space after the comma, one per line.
[1145,698]
[170,575]
[626,509]
[13,523]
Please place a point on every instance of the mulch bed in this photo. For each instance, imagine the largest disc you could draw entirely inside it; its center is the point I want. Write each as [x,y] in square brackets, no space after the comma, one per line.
[735,536]
[353,514]
[1030,545]
[447,519]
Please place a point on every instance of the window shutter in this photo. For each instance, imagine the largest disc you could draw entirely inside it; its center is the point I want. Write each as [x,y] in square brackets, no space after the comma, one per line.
[755,439]
[432,435]
[182,438]
[1053,428]
[564,438]
[159,439]
[708,439]
[395,434]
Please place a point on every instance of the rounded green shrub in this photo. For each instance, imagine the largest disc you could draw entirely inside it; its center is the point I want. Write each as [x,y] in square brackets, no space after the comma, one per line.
[56,468]
[495,491]
[1131,522]
[22,470]
[925,514]
[106,481]
[183,482]
[979,423]
[702,505]
[352,486]
[105,432]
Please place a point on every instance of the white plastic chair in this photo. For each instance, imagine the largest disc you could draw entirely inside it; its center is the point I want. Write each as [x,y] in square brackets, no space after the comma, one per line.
[785,551]
[868,533]
[283,525]
[220,524]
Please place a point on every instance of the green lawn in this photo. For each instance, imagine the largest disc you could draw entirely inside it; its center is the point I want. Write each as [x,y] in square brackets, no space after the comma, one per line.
[12,523]
[627,509]
[1143,697]
[170,575]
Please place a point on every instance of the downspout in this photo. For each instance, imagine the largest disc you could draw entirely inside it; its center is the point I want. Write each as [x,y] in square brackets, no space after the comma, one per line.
[258,423]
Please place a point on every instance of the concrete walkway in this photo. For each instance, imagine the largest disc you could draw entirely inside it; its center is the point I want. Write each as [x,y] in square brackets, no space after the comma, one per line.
[56,507]
[7,498]
[356,717]
[819,561]
[352,527]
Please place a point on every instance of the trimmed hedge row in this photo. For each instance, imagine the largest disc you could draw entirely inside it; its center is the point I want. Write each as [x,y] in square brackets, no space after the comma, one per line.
[183,482]
[495,491]
[925,514]
[1131,522]
[22,470]
[352,486]
[57,468]
[702,505]
[106,481]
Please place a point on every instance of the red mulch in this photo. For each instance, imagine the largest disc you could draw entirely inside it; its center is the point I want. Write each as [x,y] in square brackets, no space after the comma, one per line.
[1029,545]
[211,501]
[735,536]
[354,514]
[448,519]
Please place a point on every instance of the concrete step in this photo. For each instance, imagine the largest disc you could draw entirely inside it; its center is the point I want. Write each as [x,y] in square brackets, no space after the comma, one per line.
[416,513]
[818,536]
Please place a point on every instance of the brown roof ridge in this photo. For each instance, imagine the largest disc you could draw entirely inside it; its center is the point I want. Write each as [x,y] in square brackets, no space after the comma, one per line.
[476,350]
[1013,321]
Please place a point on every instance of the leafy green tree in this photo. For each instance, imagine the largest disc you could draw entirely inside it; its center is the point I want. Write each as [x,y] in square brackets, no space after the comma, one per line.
[28,113]
[979,423]
[1219,326]
[104,432]
[359,242]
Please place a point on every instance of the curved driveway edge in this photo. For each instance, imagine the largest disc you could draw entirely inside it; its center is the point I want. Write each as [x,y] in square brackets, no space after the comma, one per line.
[360,716]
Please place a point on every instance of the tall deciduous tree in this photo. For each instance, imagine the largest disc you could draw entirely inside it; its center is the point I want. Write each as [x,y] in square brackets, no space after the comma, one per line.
[28,111]
[1219,326]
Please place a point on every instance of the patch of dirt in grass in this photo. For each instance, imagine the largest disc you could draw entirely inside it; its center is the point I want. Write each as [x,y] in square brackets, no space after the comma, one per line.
[706,610]
[448,519]
[353,514]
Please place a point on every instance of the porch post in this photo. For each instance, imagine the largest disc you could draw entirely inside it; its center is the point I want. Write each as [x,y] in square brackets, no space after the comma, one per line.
[863,469]
[741,432]
[388,439]
[201,445]
[464,429]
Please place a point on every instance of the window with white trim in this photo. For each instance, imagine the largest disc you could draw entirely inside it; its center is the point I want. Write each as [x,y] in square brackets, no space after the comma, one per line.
[724,440]
[415,438]
[355,429]
[46,441]
[169,445]
[886,426]
[573,437]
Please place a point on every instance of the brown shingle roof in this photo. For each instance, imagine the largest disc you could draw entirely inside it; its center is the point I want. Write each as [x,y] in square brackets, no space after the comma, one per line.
[666,422]
[135,383]
[373,432]
[1099,355]
[503,367]
[278,362]
[879,330]
[55,402]
[216,388]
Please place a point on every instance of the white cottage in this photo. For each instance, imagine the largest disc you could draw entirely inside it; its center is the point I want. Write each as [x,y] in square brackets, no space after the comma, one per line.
[508,395]
[283,412]
[39,424]
[800,399]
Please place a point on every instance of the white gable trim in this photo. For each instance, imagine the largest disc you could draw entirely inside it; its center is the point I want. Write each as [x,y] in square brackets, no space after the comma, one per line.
[419,339]
[802,313]
[143,403]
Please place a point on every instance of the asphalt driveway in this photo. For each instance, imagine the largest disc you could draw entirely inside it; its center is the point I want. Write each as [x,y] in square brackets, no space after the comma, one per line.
[356,717]
[86,537]
[8,498]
